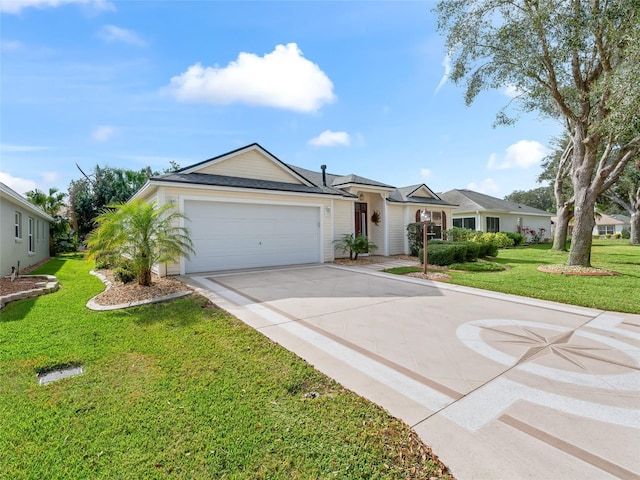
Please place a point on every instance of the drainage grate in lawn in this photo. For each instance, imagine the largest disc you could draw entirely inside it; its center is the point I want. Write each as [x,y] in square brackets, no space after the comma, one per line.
[54,375]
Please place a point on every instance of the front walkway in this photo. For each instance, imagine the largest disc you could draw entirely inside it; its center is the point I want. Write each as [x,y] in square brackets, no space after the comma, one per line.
[499,386]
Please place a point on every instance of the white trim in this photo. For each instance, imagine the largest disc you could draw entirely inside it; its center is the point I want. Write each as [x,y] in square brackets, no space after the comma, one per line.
[23,202]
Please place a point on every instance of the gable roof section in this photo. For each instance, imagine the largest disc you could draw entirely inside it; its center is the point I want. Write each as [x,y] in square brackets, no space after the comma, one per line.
[613,219]
[212,163]
[347,180]
[16,198]
[470,201]
[419,194]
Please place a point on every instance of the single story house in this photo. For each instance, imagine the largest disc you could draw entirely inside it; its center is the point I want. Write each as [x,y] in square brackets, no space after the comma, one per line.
[24,233]
[610,224]
[485,213]
[247,208]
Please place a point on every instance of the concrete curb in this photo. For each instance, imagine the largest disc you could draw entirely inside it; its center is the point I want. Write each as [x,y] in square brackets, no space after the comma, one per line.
[93,305]
[51,285]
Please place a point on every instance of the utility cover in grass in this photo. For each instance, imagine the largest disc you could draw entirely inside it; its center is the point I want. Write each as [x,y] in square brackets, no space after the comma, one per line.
[54,375]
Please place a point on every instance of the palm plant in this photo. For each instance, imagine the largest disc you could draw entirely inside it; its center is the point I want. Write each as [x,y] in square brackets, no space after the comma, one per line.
[142,232]
[355,245]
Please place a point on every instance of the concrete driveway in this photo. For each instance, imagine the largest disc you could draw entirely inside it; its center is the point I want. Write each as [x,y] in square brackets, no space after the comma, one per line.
[500,386]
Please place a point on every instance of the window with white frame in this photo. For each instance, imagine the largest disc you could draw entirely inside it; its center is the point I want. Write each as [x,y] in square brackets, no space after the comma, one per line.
[465,222]
[30,236]
[18,226]
[493,224]
[605,230]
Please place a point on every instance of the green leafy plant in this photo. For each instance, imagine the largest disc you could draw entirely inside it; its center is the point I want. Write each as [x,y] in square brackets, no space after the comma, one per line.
[144,233]
[355,245]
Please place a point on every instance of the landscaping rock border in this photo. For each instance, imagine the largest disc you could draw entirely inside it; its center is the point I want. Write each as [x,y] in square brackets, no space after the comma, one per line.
[50,282]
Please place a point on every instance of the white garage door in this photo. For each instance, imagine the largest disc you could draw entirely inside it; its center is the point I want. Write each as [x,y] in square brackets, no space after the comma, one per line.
[229,236]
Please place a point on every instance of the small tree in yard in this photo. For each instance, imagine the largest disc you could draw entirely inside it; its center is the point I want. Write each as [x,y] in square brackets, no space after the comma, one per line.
[355,245]
[142,232]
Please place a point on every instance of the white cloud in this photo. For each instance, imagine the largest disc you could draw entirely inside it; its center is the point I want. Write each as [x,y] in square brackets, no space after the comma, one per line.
[425,173]
[10,45]
[9,148]
[522,154]
[50,177]
[113,34]
[331,139]
[487,186]
[20,185]
[281,79]
[16,6]
[512,91]
[103,133]
[446,63]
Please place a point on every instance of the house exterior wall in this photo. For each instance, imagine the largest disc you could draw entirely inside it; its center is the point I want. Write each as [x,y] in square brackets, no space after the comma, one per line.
[14,249]
[508,222]
[397,229]
[251,165]
[342,224]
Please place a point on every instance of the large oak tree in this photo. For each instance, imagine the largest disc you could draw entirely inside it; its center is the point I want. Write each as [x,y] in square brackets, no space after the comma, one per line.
[577,61]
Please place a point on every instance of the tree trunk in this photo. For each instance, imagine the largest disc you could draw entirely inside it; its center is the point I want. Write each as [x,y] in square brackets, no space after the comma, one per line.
[562,228]
[635,228]
[582,236]
[144,277]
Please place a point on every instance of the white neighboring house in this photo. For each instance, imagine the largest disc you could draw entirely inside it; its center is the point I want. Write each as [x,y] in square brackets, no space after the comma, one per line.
[610,224]
[485,213]
[247,209]
[24,236]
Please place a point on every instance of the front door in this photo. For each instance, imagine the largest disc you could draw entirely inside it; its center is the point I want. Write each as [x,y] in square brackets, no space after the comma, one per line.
[361,218]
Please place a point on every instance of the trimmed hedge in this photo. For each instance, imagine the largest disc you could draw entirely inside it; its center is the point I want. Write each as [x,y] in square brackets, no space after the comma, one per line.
[446,253]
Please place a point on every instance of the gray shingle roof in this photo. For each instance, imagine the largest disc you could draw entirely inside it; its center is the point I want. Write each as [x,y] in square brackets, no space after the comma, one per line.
[468,201]
[237,182]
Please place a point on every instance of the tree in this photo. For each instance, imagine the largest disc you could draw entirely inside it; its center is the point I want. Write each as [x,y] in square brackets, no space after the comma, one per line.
[102,187]
[52,204]
[541,198]
[626,193]
[142,232]
[576,61]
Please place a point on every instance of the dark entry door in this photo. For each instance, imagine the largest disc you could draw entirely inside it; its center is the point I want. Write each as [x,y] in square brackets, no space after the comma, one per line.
[361,218]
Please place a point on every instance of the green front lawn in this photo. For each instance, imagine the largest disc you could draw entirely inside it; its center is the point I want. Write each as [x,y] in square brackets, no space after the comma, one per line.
[177,390]
[617,293]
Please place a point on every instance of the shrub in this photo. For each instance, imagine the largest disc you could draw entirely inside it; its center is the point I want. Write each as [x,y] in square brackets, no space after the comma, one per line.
[355,245]
[439,254]
[501,239]
[518,238]
[533,235]
[625,234]
[414,235]
[457,234]
[473,251]
[124,275]
[607,236]
[617,236]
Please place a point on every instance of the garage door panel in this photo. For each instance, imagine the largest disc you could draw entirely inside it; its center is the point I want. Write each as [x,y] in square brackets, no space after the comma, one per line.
[236,235]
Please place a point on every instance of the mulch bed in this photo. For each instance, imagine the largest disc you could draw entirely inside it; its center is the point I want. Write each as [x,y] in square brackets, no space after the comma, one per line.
[576,270]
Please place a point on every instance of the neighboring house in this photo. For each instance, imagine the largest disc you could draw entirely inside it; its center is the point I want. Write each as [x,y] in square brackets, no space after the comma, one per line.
[247,208]
[610,224]
[24,236]
[606,224]
[484,213]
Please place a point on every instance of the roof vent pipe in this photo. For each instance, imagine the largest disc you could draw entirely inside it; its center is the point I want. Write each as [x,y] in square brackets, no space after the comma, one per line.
[324,175]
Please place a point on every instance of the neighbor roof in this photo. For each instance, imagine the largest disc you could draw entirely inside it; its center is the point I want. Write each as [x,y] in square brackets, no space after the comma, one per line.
[470,201]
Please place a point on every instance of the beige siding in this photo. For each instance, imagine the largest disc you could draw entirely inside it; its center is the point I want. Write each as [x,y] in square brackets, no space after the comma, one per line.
[342,225]
[397,229]
[251,164]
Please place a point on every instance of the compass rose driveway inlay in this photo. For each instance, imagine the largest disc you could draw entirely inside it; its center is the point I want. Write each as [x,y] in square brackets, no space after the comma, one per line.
[500,386]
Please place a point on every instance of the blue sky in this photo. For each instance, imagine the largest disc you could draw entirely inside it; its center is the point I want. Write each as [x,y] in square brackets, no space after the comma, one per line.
[358,86]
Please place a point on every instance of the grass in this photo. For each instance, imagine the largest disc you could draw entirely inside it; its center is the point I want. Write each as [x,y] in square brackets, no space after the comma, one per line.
[616,293]
[403,270]
[177,390]
[478,266]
